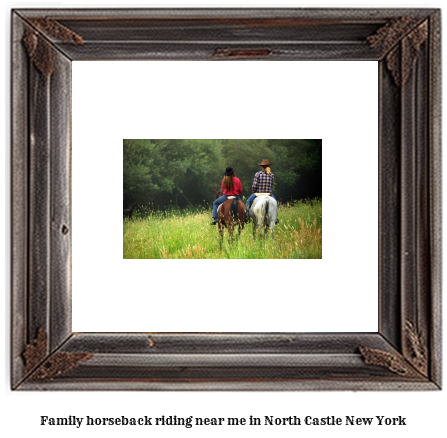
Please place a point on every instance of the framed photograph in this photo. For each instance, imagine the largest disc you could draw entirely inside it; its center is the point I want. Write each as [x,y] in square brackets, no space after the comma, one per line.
[173,189]
[47,354]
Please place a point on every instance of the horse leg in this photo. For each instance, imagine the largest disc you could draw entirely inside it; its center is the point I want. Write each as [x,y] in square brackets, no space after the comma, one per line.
[255,230]
[219,225]
[266,230]
[272,228]
[241,216]
[230,231]
[243,219]
[260,231]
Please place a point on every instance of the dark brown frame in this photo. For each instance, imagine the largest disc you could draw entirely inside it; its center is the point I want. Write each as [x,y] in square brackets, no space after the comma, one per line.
[405,354]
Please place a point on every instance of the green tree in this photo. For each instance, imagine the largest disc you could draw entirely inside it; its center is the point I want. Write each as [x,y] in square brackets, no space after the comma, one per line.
[182,172]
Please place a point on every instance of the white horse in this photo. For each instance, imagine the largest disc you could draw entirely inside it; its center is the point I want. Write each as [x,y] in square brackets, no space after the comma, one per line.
[264,212]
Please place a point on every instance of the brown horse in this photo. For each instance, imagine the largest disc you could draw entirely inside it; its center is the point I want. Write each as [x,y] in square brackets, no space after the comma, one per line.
[229,217]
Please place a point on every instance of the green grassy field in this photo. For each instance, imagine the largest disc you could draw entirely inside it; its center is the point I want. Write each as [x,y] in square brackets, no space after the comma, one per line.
[187,234]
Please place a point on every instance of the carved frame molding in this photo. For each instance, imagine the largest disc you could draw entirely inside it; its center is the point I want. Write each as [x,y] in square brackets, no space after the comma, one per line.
[406,352]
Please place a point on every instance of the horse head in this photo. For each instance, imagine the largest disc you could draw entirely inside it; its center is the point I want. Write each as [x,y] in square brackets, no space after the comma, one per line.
[218,193]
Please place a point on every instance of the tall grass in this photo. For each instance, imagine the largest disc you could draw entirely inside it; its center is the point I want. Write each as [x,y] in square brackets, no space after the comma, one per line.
[187,234]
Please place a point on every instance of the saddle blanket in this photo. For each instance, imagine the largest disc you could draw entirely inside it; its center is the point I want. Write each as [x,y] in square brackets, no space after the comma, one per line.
[262,194]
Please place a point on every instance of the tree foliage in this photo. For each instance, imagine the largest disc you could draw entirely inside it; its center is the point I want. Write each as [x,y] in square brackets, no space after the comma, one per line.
[163,173]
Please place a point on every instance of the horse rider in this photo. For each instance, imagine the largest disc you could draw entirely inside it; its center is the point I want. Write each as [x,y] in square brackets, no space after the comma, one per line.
[262,183]
[231,186]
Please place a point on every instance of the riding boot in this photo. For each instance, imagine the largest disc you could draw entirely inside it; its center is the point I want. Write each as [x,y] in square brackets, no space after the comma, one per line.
[215,220]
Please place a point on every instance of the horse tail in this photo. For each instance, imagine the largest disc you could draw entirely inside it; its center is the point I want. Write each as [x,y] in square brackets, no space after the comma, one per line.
[234,203]
[267,208]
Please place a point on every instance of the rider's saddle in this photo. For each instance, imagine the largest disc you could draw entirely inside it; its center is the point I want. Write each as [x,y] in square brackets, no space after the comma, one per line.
[257,194]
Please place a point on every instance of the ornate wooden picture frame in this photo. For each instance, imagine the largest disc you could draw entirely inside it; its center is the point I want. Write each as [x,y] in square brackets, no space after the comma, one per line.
[405,353]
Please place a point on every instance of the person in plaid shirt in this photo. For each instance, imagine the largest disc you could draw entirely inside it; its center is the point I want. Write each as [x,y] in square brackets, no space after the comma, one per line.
[262,183]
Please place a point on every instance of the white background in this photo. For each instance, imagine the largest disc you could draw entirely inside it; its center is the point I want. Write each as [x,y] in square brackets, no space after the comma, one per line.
[223,100]
[425,412]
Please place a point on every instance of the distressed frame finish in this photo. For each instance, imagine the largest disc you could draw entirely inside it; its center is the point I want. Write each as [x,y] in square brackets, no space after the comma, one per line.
[405,354]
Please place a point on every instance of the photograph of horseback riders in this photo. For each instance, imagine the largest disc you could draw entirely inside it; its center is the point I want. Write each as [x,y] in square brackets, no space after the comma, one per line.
[222,199]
